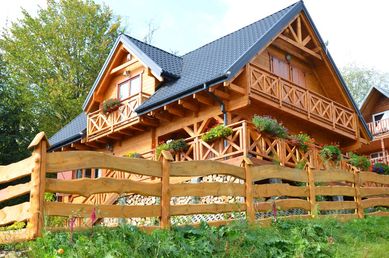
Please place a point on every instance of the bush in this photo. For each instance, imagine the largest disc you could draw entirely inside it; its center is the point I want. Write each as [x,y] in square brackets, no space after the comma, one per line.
[173,146]
[361,162]
[219,131]
[110,104]
[303,141]
[330,153]
[381,168]
[270,126]
[15,226]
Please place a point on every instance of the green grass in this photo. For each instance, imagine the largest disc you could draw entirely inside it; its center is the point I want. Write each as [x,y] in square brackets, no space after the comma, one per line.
[301,238]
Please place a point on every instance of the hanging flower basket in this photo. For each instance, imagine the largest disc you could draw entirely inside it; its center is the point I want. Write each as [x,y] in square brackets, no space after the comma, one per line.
[174,146]
[111,105]
[270,126]
[217,132]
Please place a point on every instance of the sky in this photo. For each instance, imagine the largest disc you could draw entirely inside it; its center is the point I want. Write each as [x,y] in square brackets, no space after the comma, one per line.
[356,30]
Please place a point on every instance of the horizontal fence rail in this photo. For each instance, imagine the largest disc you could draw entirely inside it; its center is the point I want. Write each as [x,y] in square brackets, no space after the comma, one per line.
[176,192]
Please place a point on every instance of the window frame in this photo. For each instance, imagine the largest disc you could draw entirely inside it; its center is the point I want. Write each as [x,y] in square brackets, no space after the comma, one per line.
[126,80]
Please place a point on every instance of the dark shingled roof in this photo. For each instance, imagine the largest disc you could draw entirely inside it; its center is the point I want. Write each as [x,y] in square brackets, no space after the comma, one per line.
[171,64]
[71,132]
[214,59]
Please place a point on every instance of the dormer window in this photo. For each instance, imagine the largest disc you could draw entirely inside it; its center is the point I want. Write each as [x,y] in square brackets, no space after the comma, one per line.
[129,87]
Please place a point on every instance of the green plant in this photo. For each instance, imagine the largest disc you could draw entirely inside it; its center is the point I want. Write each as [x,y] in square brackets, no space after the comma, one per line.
[381,168]
[110,104]
[172,146]
[49,197]
[217,132]
[15,226]
[361,162]
[301,164]
[303,141]
[330,153]
[270,126]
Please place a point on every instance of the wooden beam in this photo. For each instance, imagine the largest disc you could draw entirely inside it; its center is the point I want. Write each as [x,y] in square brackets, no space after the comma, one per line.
[174,111]
[188,104]
[94,145]
[221,94]
[306,41]
[149,121]
[299,32]
[122,66]
[114,137]
[203,99]
[305,49]
[237,88]
[162,115]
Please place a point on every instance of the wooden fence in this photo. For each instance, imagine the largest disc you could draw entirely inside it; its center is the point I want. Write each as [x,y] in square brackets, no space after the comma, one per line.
[295,189]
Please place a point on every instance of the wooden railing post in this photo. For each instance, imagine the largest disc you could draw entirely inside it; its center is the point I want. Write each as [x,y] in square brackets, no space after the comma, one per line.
[165,192]
[358,198]
[38,180]
[312,190]
[250,213]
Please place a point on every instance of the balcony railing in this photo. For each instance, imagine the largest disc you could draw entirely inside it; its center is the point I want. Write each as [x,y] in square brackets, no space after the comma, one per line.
[379,127]
[306,102]
[384,160]
[100,123]
[247,141]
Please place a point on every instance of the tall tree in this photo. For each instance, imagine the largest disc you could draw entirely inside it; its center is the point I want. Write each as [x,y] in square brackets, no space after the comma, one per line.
[54,57]
[360,79]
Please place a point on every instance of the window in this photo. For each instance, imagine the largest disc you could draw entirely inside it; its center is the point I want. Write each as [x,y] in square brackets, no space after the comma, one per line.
[130,87]
[287,71]
[380,116]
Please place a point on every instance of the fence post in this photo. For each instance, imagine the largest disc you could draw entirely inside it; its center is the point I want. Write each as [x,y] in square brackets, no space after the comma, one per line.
[358,198]
[38,180]
[250,214]
[165,192]
[312,192]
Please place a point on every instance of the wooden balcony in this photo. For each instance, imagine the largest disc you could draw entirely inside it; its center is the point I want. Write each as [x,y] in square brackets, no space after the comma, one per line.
[247,141]
[100,124]
[379,128]
[280,93]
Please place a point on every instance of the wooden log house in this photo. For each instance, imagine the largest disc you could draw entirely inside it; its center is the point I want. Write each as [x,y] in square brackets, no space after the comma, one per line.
[277,66]
[375,111]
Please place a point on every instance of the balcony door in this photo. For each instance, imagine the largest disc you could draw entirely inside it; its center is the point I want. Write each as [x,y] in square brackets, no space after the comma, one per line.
[126,90]
[381,123]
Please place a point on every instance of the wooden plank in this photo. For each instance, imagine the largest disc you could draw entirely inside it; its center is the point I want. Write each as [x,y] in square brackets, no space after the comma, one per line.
[333,175]
[102,211]
[379,213]
[249,195]
[206,208]
[312,191]
[206,189]
[14,191]
[165,198]
[86,187]
[72,160]
[358,197]
[204,168]
[327,205]
[274,171]
[335,190]
[14,236]
[10,214]
[371,202]
[373,177]
[16,170]
[371,191]
[269,190]
[283,204]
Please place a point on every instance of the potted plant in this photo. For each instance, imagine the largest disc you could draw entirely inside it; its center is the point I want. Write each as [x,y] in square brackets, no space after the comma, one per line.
[361,162]
[173,146]
[330,153]
[217,132]
[270,126]
[302,140]
[111,105]
[381,168]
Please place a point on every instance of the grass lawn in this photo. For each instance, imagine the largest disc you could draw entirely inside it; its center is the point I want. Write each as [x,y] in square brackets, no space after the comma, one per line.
[300,238]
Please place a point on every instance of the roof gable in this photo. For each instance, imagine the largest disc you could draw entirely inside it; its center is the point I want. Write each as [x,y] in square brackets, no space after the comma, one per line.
[163,64]
[369,94]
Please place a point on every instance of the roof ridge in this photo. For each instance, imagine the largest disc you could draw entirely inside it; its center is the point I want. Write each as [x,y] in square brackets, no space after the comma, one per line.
[240,29]
[167,52]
